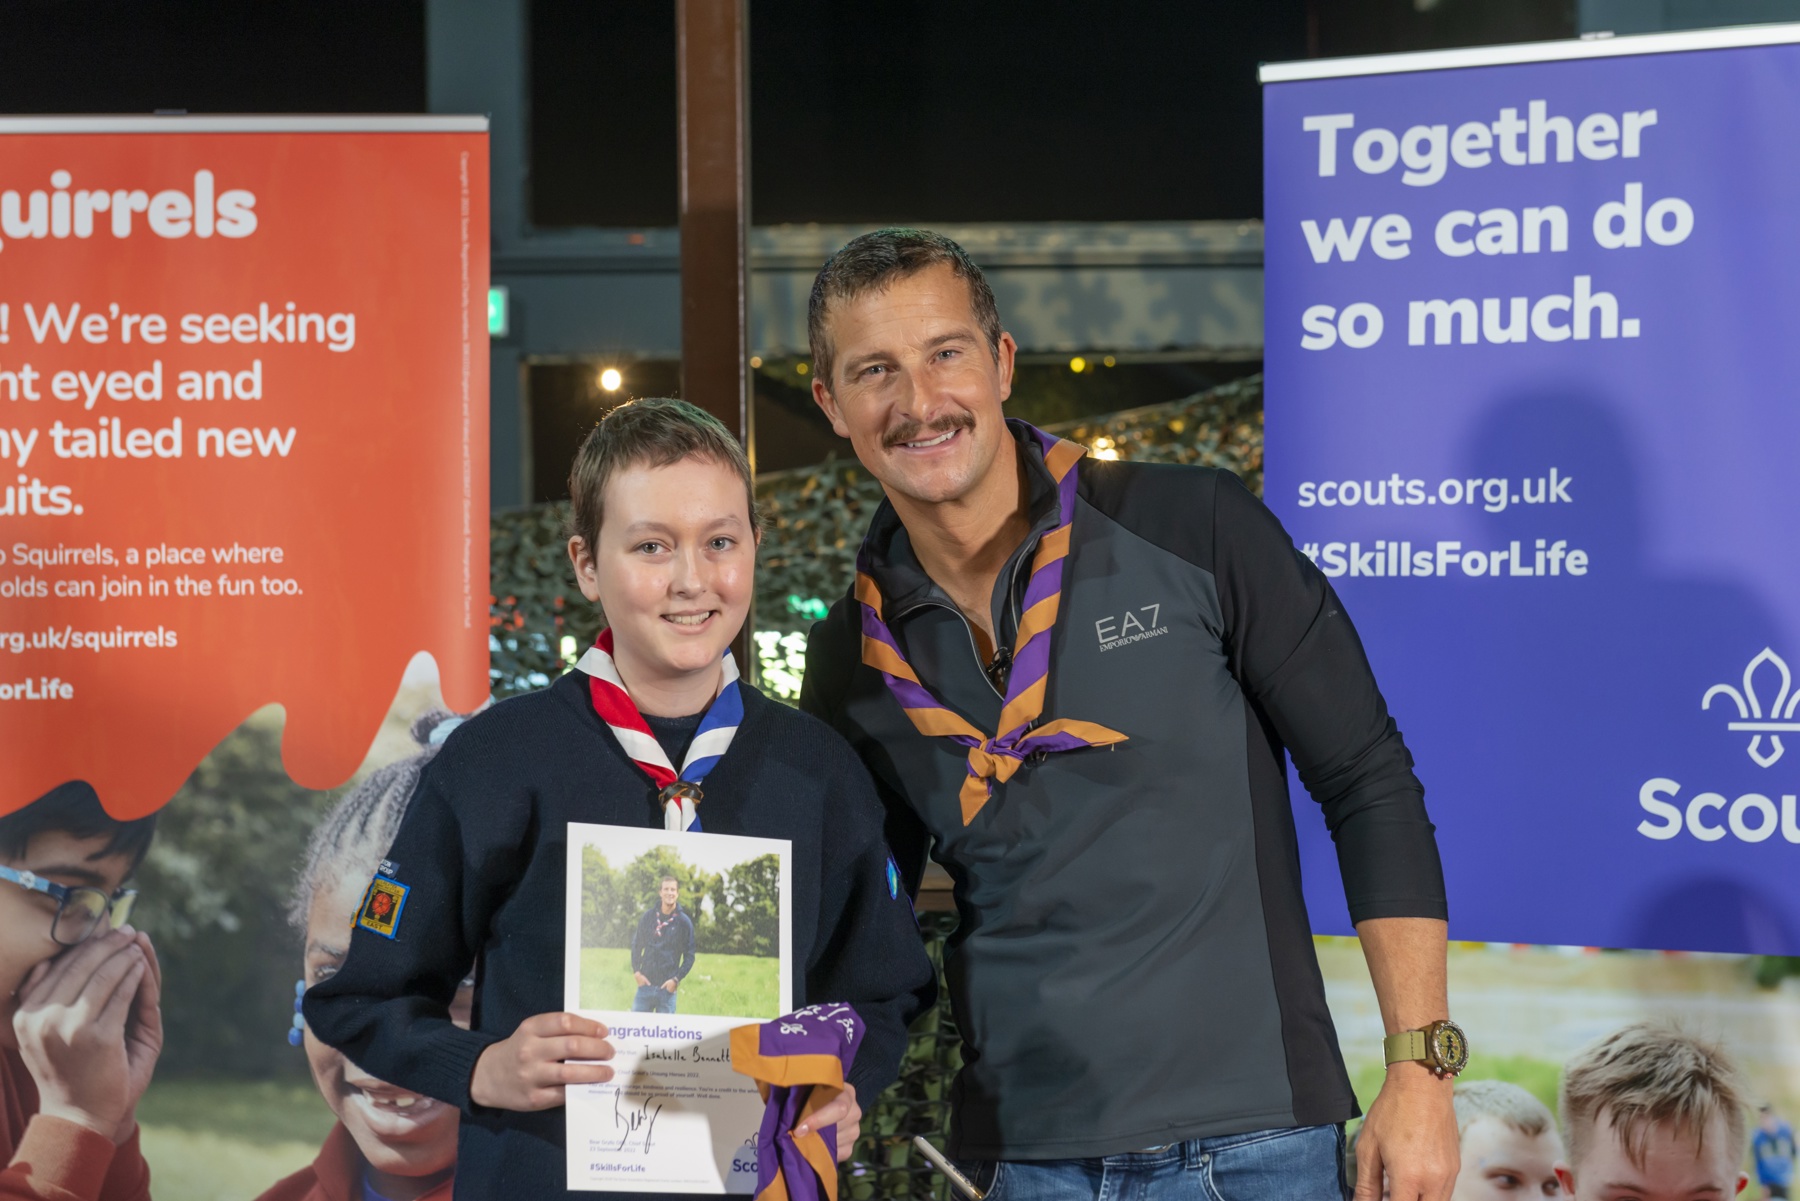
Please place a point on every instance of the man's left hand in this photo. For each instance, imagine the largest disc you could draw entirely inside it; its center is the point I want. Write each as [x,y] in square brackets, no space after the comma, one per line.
[846,1113]
[1410,1136]
[671,985]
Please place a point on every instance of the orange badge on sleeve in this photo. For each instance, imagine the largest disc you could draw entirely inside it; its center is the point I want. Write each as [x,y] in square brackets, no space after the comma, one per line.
[382,906]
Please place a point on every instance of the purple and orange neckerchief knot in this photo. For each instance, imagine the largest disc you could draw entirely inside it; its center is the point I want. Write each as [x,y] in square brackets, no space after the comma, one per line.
[994,760]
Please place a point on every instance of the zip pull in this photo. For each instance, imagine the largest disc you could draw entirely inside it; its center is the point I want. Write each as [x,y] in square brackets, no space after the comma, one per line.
[1000,668]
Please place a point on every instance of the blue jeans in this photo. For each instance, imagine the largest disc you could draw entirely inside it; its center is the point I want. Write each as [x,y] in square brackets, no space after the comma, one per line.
[653,998]
[1301,1164]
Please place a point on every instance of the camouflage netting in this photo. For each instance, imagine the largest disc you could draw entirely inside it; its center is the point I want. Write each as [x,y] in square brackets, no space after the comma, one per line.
[815,520]
[885,1164]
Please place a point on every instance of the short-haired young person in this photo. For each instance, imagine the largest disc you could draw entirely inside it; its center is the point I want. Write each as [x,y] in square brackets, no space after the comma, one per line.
[664,540]
[662,950]
[80,990]
[1651,1114]
[1077,682]
[1510,1148]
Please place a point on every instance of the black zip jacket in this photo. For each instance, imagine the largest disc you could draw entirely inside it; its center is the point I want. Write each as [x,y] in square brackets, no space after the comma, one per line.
[1134,965]
[483,849]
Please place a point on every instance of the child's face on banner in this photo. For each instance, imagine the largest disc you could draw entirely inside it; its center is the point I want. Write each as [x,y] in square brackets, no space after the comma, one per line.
[1502,1163]
[26,916]
[1676,1167]
[399,1132]
[674,568]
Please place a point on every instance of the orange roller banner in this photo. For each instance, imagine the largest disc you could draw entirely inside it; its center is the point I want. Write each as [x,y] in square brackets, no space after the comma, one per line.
[243,438]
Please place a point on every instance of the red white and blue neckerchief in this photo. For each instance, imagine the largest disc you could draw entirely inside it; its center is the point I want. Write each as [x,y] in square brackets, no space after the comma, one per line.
[993,760]
[800,1063]
[679,791]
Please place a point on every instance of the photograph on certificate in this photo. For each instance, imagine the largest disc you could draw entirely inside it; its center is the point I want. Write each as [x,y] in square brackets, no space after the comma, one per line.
[673,940]
[681,923]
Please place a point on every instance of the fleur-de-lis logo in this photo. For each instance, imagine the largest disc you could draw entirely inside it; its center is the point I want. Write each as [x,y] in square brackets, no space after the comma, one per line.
[1753,719]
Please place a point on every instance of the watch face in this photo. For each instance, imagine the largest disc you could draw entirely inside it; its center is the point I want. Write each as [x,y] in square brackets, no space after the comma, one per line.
[1449,1047]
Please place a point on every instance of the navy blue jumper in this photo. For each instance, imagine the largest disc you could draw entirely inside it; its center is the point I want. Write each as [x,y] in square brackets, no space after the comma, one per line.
[483,851]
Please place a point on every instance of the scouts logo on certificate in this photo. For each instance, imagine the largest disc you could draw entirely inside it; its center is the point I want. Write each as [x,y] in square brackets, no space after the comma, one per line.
[381,906]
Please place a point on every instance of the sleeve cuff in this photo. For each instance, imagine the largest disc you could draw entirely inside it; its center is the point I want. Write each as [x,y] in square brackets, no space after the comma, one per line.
[1428,907]
[452,1064]
[877,1066]
[868,1084]
[58,1154]
[128,1179]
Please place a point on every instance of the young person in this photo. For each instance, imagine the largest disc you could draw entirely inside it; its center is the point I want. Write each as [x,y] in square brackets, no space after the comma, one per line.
[80,990]
[1509,1144]
[389,1144]
[664,540]
[1773,1148]
[1078,683]
[662,950]
[1650,1114]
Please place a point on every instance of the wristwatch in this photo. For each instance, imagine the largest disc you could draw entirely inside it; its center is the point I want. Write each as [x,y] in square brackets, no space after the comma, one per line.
[1441,1047]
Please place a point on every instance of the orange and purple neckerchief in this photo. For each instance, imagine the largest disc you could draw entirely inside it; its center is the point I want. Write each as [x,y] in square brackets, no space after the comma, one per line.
[994,760]
[800,1062]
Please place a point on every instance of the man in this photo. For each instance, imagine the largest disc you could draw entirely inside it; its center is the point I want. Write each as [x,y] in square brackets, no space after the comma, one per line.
[1651,1114]
[1078,679]
[80,1016]
[662,951]
[1773,1148]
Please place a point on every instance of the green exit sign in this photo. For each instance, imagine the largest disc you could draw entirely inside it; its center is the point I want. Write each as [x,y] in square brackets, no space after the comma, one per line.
[497,313]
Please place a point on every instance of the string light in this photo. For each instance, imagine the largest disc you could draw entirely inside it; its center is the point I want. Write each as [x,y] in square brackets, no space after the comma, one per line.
[610,379]
[1078,364]
[802,368]
[755,360]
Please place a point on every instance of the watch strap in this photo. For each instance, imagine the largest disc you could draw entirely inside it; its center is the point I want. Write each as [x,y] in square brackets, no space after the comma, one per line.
[1406,1045]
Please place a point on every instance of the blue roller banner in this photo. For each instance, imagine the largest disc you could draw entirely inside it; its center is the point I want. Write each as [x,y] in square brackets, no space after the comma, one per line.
[1533,404]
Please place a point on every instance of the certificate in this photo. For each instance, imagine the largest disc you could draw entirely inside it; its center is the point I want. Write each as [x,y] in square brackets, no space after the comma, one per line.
[673,940]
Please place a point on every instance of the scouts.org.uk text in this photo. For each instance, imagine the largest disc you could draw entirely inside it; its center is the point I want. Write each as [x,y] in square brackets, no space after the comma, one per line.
[1494,495]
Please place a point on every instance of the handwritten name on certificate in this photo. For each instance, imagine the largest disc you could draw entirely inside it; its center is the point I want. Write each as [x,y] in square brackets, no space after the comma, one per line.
[673,941]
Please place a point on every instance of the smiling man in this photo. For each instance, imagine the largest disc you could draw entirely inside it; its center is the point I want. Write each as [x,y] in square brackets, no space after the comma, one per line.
[1077,682]
[662,950]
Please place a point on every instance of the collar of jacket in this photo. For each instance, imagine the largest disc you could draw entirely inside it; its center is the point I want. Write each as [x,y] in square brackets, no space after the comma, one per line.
[896,569]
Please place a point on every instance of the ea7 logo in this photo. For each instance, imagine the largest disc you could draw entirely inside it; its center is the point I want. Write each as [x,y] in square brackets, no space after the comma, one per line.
[1134,625]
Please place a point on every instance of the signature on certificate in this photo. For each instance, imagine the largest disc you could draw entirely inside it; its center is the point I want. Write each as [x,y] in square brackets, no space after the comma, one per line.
[633,1118]
[693,1054]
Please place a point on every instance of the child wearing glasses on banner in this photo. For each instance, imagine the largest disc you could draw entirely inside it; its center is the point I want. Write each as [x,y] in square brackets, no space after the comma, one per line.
[79,995]
[664,537]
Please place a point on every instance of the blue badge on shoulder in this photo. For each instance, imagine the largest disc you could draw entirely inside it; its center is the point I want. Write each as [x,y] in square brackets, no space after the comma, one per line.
[893,878]
[382,906]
